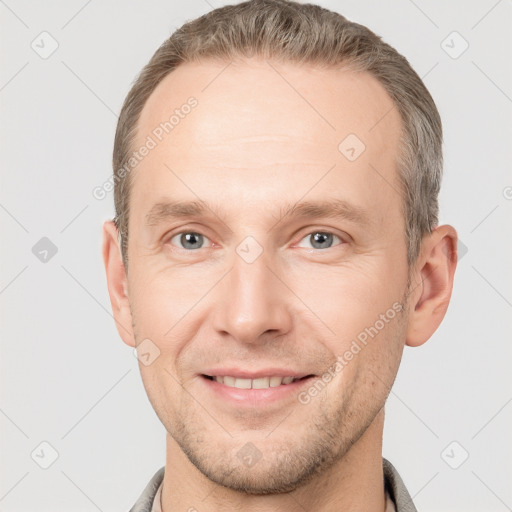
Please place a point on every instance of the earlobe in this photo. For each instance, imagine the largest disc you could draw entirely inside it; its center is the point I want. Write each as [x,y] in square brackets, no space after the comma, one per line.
[434,277]
[117,283]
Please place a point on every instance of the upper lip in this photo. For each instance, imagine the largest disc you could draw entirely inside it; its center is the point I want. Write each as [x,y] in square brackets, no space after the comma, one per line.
[244,374]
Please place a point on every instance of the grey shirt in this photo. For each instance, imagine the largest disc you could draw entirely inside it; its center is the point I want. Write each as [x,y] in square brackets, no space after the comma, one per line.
[398,497]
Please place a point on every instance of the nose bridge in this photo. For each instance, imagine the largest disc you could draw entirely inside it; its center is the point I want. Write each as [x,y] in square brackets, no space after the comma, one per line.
[253,301]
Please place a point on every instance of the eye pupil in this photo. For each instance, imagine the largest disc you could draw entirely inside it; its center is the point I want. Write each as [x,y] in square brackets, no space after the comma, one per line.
[187,239]
[323,239]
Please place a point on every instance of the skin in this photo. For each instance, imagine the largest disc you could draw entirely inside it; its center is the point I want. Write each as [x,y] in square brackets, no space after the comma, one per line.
[265,135]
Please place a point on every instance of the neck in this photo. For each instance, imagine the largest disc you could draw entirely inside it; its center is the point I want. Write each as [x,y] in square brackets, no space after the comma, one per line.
[354,482]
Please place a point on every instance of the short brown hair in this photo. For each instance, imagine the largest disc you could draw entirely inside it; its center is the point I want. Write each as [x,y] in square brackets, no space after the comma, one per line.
[300,33]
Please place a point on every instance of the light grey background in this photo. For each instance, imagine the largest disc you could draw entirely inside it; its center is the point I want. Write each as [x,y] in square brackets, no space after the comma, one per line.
[67,378]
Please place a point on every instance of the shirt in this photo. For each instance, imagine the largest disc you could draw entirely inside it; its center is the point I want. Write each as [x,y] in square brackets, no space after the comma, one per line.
[397,496]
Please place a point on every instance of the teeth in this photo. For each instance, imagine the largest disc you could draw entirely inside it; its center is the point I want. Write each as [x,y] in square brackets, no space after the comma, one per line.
[243,383]
[260,383]
[275,381]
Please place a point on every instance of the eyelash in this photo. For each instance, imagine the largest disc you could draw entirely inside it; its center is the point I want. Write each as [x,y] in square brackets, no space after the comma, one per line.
[304,237]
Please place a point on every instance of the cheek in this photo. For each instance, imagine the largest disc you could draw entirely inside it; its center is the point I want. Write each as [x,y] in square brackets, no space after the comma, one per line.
[361,316]
[160,299]
[347,298]
[367,364]
[168,311]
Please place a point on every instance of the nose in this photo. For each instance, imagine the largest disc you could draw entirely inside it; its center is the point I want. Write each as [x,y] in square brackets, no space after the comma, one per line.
[253,303]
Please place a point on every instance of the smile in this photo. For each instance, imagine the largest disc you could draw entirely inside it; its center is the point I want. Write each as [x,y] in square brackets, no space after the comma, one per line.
[259,383]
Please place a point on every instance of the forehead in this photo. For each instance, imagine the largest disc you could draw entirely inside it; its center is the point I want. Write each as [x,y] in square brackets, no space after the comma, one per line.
[268,98]
[261,125]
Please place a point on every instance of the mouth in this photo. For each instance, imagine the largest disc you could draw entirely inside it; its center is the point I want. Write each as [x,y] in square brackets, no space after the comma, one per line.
[258,383]
[234,386]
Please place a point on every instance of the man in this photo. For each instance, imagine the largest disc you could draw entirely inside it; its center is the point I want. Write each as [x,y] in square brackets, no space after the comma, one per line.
[275,246]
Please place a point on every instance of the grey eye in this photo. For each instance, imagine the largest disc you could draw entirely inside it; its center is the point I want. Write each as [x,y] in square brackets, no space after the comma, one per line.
[320,240]
[189,240]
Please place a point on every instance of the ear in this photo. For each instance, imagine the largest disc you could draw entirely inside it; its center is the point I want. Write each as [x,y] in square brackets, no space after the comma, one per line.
[117,283]
[431,286]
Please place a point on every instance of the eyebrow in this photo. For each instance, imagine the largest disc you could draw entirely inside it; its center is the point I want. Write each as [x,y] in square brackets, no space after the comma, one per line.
[333,208]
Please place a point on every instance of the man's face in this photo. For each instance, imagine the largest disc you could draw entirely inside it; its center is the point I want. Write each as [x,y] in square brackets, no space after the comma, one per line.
[258,287]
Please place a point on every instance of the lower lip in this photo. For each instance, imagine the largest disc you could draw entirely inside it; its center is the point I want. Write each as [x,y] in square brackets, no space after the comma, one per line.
[256,397]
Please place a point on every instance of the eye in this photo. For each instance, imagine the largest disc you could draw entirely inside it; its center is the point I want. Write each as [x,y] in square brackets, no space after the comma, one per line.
[320,240]
[189,240]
